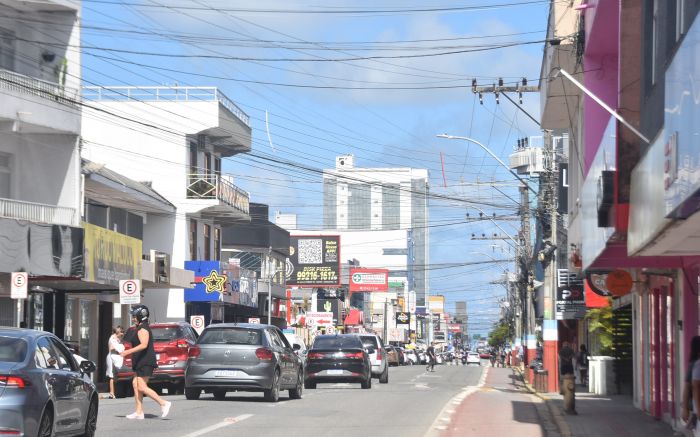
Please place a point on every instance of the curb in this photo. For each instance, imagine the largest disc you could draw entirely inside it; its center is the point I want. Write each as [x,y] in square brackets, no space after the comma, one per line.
[557,416]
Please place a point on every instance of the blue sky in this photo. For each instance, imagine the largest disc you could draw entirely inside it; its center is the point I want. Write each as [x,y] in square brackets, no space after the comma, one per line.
[259,54]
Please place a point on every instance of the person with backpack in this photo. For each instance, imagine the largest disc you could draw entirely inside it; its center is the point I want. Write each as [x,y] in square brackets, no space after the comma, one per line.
[582,362]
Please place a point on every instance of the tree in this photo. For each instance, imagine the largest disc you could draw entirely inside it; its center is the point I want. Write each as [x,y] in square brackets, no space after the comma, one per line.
[500,334]
[600,323]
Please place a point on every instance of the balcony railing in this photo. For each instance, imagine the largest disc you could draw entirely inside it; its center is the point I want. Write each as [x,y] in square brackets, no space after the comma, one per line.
[37,212]
[213,186]
[30,85]
[165,94]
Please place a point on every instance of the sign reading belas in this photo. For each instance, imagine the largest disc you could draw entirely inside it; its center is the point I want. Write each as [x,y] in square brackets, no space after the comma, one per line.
[369,279]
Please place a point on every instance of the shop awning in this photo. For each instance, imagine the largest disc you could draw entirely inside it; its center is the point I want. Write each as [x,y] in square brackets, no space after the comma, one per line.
[354,317]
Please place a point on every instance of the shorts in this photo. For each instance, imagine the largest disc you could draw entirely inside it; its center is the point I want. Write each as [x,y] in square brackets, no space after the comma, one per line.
[145,371]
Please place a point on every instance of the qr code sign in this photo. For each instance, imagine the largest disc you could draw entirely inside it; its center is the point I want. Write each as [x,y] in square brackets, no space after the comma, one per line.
[311,251]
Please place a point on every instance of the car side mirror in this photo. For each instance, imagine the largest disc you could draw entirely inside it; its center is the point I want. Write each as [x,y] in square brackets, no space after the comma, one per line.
[296,347]
[87,367]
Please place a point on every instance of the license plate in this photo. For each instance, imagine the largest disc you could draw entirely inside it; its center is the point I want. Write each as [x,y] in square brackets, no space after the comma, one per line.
[335,372]
[226,373]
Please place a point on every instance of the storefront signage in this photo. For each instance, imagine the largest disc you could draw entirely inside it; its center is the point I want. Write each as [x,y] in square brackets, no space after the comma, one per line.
[362,279]
[403,318]
[454,327]
[110,257]
[207,277]
[319,319]
[619,282]
[571,300]
[314,261]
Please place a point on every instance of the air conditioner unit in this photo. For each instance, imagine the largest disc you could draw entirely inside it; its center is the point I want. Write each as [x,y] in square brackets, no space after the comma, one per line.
[161,261]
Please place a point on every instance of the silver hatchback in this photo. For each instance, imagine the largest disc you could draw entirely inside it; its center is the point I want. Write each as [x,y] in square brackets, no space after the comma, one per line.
[43,391]
[243,357]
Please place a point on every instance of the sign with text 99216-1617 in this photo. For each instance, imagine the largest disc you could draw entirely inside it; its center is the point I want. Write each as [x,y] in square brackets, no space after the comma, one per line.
[314,261]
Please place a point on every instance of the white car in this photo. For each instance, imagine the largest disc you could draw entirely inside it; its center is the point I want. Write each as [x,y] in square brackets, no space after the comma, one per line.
[473,358]
[380,366]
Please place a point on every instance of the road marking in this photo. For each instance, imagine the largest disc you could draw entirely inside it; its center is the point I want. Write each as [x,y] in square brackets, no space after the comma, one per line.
[226,422]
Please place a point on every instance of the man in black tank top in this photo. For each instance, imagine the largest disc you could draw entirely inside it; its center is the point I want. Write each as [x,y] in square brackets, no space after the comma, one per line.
[143,362]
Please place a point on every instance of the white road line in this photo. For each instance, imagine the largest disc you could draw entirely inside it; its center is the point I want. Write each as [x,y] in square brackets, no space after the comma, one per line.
[226,422]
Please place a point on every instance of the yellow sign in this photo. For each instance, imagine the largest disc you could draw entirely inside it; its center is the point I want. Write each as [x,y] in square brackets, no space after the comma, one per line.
[214,282]
[110,256]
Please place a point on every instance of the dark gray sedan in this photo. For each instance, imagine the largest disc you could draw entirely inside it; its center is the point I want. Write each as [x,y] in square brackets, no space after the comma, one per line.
[43,391]
[243,357]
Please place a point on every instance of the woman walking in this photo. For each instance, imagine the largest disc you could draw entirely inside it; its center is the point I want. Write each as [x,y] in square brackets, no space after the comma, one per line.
[143,363]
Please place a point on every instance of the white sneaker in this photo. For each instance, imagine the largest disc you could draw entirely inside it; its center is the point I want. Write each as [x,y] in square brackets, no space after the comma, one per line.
[165,409]
[133,416]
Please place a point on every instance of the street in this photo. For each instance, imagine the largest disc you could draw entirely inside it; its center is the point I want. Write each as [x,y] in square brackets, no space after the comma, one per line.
[407,406]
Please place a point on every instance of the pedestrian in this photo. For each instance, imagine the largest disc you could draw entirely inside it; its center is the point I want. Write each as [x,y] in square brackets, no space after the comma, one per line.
[566,355]
[114,360]
[688,413]
[430,352]
[582,362]
[143,362]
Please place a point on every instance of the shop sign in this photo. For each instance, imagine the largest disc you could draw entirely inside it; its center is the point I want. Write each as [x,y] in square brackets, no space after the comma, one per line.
[454,327]
[314,261]
[571,301]
[210,282]
[110,257]
[403,318]
[319,319]
[362,279]
[619,282]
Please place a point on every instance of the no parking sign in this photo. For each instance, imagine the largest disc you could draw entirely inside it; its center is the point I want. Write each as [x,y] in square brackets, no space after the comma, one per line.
[197,323]
[129,291]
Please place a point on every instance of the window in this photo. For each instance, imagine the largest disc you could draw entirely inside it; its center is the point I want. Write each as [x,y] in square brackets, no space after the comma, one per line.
[97,214]
[217,244]
[12,350]
[45,355]
[193,240]
[7,49]
[207,242]
[193,157]
[65,358]
[117,220]
[135,226]
[5,176]
[217,166]
[231,336]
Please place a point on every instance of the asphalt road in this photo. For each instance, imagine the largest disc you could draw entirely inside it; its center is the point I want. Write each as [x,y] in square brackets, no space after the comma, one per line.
[406,406]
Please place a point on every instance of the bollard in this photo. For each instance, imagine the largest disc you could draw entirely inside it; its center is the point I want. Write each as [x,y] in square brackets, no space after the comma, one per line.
[569,392]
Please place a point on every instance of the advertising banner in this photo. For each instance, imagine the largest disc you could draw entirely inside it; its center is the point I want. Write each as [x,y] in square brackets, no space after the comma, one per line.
[110,257]
[436,304]
[362,279]
[454,327]
[319,319]
[314,261]
[571,301]
[210,282]
[329,306]
[403,318]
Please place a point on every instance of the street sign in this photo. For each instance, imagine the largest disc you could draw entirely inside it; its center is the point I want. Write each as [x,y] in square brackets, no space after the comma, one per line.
[197,323]
[129,291]
[18,287]
[254,320]
[319,319]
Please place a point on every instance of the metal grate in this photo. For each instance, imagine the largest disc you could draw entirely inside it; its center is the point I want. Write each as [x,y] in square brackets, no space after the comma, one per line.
[37,212]
[31,85]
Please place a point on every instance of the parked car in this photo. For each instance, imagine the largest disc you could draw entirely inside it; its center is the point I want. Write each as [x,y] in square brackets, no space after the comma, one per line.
[172,343]
[295,340]
[473,358]
[392,356]
[339,358]
[243,357]
[380,368]
[411,356]
[402,355]
[43,391]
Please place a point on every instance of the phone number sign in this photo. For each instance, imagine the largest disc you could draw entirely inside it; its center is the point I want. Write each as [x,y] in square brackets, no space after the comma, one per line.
[314,261]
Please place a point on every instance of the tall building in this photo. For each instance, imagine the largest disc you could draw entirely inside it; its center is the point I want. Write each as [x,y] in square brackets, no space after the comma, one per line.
[382,199]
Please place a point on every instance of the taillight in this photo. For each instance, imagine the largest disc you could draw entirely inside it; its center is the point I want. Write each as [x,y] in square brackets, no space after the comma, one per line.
[13,382]
[263,353]
[181,343]
[315,356]
[355,355]
[380,355]
[194,352]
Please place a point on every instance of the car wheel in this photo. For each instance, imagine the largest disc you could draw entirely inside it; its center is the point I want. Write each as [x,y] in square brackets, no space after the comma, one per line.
[46,423]
[296,392]
[309,385]
[91,419]
[219,395]
[367,384]
[273,394]
[192,394]
[384,377]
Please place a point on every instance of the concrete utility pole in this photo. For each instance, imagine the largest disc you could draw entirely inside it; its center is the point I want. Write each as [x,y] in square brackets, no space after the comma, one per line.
[526,256]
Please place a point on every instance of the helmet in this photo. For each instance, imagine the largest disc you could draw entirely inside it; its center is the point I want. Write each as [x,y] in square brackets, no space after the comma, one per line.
[140,312]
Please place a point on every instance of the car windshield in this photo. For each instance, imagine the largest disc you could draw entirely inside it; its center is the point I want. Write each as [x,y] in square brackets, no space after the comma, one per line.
[231,336]
[369,341]
[336,342]
[166,333]
[12,350]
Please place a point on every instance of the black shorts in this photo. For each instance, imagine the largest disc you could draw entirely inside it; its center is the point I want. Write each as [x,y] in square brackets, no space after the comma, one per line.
[145,371]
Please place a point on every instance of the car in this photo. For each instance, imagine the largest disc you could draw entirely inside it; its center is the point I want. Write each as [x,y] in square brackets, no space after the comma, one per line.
[243,357]
[473,358]
[392,356]
[380,367]
[172,343]
[411,357]
[43,391]
[294,340]
[338,358]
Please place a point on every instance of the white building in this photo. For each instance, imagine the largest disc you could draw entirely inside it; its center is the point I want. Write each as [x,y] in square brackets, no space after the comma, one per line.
[175,138]
[382,199]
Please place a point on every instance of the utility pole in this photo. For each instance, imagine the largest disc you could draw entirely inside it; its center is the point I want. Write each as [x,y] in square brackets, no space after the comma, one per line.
[386,317]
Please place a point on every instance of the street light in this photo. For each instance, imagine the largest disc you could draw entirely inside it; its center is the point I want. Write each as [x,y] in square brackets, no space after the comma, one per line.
[471,140]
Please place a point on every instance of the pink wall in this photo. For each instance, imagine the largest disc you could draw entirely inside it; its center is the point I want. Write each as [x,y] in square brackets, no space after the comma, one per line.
[600,62]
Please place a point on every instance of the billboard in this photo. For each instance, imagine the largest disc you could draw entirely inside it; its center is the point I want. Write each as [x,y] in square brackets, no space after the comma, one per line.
[436,304]
[314,261]
[362,279]
[571,300]
[109,256]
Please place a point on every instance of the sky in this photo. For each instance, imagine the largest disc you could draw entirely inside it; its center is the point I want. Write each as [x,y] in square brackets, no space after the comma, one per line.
[376,79]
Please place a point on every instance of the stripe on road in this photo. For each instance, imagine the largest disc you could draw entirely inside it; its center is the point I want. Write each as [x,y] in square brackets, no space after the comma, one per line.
[228,421]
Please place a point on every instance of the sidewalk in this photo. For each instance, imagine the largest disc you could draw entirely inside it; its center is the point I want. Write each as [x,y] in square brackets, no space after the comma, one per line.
[501,407]
[603,416]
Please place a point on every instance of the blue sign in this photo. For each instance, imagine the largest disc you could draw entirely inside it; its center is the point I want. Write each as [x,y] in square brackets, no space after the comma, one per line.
[209,280]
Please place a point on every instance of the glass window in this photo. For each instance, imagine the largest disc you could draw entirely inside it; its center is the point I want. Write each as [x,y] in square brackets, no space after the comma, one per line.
[135,226]
[71,307]
[65,358]
[117,220]
[231,336]
[12,350]
[166,333]
[207,242]
[193,157]
[275,338]
[97,214]
[193,240]
[217,244]
[86,324]
[336,341]
[7,49]
[47,352]
[5,176]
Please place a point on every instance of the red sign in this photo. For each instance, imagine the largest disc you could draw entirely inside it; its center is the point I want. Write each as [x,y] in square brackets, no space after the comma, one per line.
[454,327]
[362,279]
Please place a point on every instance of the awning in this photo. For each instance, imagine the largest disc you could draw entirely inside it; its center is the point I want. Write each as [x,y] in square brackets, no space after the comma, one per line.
[354,317]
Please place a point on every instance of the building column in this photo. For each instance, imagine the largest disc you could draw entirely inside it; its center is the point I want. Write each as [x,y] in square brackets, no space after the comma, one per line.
[530,354]
[550,335]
